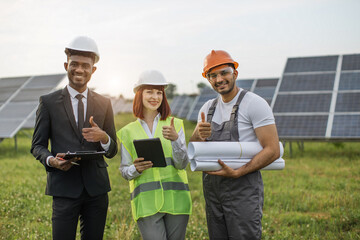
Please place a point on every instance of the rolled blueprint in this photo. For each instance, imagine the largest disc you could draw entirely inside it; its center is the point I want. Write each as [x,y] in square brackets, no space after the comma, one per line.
[222,150]
[204,155]
[213,165]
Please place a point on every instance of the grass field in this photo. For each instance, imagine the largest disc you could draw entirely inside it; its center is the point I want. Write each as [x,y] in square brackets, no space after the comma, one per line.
[316,196]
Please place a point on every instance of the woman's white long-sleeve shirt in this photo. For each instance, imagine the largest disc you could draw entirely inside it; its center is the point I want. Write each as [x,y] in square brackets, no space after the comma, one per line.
[179,152]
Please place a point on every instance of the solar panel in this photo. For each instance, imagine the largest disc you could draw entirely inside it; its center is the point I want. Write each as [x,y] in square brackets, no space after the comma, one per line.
[265,88]
[206,94]
[311,64]
[185,108]
[179,103]
[304,127]
[290,103]
[348,102]
[245,83]
[308,82]
[351,62]
[346,126]
[318,98]
[349,81]
[19,98]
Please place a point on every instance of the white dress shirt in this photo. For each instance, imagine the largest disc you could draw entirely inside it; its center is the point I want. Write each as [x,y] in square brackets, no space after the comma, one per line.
[179,152]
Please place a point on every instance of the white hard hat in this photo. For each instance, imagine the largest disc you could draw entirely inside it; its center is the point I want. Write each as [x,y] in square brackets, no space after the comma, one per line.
[84,44]
[150,77]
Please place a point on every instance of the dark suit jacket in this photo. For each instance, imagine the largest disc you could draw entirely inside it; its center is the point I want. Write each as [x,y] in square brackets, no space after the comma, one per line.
[55,121]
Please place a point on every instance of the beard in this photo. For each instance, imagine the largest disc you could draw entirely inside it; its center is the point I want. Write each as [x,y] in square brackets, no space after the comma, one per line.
[224,92]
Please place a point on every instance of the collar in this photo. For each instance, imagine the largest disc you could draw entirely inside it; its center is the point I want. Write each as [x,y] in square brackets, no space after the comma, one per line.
[73,92]
[157,118]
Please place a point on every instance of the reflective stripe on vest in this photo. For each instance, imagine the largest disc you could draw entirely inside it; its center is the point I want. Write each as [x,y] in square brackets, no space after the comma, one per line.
[156,185]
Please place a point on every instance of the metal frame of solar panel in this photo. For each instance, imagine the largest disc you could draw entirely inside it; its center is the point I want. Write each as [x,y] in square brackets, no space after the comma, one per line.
[318,98]
[19,97]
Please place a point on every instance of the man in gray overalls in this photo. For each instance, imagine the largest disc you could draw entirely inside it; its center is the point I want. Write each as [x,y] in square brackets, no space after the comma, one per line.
[234,197]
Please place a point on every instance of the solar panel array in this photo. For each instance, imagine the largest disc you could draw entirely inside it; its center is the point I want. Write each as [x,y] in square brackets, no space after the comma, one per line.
[319,98]
[206,94]
[19,97]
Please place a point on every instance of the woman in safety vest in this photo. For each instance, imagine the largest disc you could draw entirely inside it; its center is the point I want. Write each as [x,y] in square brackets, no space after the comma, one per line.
[160,196]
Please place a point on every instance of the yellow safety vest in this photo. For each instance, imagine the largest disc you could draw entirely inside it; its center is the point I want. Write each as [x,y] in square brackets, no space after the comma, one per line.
[157,189]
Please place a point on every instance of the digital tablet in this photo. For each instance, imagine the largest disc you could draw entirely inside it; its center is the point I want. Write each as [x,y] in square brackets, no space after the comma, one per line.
[151,150]
[84,155]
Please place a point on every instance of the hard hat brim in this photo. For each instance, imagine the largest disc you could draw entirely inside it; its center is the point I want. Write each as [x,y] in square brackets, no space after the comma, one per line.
[137,86]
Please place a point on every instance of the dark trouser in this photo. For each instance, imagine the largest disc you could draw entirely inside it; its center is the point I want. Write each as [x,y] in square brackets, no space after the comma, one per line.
[91,210]
[234,206]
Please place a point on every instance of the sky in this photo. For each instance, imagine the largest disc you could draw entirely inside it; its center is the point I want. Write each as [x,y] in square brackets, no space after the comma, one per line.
[173,36]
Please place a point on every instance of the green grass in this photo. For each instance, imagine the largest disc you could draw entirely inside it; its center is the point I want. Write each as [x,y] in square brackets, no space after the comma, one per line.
[316,196]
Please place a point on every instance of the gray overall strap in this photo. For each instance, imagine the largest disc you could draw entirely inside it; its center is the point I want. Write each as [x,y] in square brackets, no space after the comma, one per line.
[211,110]
[235,108]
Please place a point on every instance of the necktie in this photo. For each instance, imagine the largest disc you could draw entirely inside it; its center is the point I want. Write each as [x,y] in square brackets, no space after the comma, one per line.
[80,112]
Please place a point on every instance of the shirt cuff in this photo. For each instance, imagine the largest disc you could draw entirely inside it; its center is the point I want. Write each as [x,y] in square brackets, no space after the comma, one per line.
[177,144]
[106,146]
[48,161]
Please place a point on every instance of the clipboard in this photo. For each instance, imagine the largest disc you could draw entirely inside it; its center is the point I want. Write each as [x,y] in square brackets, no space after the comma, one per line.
[151,150]
[84,155]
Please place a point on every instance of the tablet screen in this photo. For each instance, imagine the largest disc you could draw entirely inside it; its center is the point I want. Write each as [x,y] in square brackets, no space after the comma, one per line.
[151,150]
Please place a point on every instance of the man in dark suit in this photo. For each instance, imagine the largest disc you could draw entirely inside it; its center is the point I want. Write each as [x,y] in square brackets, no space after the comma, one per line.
[76,119]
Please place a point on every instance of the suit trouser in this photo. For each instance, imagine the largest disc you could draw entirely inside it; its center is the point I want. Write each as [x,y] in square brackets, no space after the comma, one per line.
[234,206]
[163,226]
[91,210]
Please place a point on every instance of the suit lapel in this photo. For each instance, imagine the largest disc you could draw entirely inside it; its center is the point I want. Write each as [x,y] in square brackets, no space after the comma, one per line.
[69,111]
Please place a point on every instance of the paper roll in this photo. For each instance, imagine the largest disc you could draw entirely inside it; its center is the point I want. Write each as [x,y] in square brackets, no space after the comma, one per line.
[225,150]
[213,165]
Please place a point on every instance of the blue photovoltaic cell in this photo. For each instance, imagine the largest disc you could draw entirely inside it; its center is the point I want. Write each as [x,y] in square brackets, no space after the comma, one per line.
[348,102]
[351,62]
[186,107]
[311,64]
[15,82]
[174,102]
[46,81]
[346,126]
[245,84]
[271,82]
[349,81]
[302,103]
[308,82]
[301,126]
[265,92]
[178,105]
[198,103]
[30,94]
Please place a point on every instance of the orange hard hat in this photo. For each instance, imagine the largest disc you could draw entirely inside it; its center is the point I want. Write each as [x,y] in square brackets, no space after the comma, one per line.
[217,58]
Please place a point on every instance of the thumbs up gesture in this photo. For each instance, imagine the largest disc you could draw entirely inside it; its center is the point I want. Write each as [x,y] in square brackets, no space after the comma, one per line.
[169,132]
[94,134]
[202,130]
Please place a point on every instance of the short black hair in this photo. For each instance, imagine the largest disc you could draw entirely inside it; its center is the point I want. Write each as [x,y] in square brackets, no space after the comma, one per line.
[70,52]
